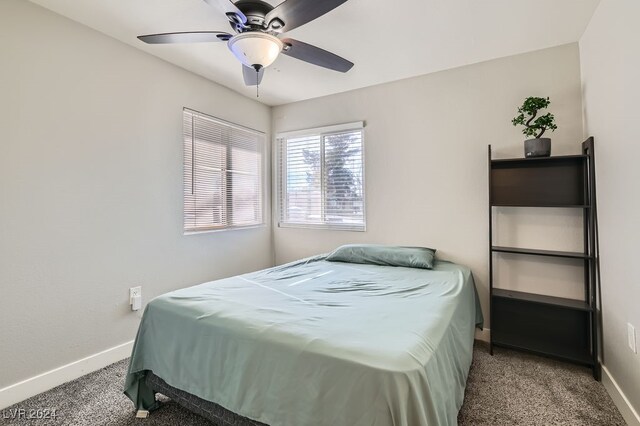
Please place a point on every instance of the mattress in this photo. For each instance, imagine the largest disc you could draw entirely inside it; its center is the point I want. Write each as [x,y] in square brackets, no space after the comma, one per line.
[316,343]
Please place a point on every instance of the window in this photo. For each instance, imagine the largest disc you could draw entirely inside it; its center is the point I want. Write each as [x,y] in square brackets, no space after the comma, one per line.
[223,168]
[321,181]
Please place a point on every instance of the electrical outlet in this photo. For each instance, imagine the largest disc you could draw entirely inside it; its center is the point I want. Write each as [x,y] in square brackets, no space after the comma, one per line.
[631,336]
[135,298]
[134,292]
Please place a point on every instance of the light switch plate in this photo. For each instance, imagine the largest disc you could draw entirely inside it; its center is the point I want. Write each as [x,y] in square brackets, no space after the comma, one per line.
[631,336]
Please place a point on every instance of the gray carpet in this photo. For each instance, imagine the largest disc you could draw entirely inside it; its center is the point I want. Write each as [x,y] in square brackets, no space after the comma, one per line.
[509,388]
[512,388]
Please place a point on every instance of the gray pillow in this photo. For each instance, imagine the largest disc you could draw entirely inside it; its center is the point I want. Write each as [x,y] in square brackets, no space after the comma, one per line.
[410,257]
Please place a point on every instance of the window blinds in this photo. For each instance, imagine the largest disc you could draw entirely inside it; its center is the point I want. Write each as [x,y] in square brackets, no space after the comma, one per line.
[223,174]
[322,179]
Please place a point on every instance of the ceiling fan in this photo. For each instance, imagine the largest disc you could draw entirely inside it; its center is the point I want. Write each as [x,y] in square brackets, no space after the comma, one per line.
[257,25]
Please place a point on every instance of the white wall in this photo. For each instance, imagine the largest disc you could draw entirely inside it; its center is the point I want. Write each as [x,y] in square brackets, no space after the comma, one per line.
[610,60]
[91,188]
[426,161]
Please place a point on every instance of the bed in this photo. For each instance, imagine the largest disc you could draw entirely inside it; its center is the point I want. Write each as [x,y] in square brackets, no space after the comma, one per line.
[313,342]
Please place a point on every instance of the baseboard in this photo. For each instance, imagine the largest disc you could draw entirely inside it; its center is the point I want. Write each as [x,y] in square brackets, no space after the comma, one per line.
[483,334]
[43,382]
[629,414]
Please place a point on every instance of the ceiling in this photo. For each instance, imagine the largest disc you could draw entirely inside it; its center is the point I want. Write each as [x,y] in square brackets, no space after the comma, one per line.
[387,40]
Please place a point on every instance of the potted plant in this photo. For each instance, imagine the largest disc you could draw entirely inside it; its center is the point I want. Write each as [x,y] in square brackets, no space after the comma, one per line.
[535,126]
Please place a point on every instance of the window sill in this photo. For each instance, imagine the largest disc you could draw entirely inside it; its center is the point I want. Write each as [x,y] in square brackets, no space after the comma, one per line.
[231,228]
[352,228]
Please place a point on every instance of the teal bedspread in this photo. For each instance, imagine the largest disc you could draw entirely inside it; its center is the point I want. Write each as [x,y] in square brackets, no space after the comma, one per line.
[316,343]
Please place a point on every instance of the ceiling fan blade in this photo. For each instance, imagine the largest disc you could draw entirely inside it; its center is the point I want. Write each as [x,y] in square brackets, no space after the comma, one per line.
[186,37]
[314,55]
[251,77]
[293,13]
[234,14]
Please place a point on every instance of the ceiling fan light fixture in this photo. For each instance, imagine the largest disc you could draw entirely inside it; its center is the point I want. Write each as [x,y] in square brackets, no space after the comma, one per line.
[255,48]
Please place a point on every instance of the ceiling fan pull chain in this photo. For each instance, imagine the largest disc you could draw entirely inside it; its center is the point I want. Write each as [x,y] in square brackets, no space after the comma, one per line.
[257,82]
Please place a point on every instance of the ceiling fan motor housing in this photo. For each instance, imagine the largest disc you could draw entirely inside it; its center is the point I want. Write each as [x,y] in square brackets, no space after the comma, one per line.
[255,11]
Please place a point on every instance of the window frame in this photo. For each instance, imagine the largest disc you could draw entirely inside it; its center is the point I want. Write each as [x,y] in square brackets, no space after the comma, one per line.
[320,132]
[262,143]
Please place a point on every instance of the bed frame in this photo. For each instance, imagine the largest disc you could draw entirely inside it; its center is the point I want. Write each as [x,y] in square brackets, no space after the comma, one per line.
[207,409]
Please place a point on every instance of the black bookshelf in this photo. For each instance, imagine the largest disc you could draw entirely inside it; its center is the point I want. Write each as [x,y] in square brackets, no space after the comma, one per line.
[561,328]
[543,299]
[537,252]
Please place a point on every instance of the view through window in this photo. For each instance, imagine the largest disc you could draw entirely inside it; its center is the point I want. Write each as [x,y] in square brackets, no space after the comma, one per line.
[322,180]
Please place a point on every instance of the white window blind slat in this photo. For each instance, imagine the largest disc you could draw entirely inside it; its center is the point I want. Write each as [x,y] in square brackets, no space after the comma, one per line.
[223,174]
[322,179]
